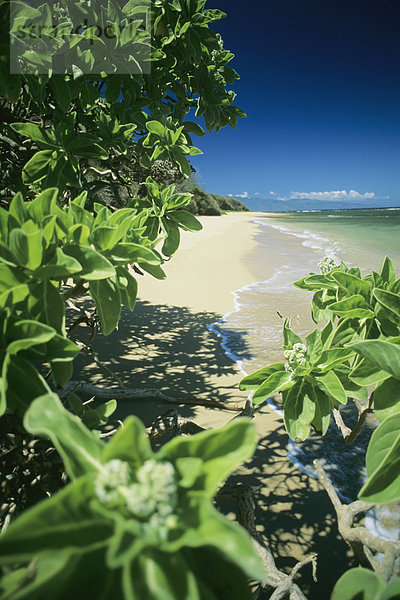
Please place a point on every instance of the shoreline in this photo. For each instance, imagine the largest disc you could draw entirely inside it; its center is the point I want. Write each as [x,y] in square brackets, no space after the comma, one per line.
[168,343]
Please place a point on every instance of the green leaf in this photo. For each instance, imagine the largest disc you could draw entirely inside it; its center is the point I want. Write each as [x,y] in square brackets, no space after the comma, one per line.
[353,285]
[358,584]
[156,127]
[383,354]
[27,333]
[83,145]
[105,293]
[330,384]
[18,209]
[221,451]
[128,288]
[129,252]
[172,240]
[94,265]
[185,220]
[367,373]
[46,304]
[387,398]
[63,521]
[130,443]
[60,266]
[12,283]
[389,300]
[322,415]
[315,283]
[299,410]
[383,463]
[387,271]
[43,205]
[276,382]
[21,384]
[392,591]
[37,134]
[62,372]
[80,450]
[289,337]
[37,167]
[353,307]
[255,379]
[333,357]
[27,248]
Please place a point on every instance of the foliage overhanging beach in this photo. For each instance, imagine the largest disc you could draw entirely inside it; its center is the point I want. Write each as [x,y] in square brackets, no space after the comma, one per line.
[132,451]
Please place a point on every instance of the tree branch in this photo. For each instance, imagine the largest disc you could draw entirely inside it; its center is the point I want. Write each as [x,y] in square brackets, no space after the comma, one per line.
[350,435]
[138,394]
[363,543]
[284,586]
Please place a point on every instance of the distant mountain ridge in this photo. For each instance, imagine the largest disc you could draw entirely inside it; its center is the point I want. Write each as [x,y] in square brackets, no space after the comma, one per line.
[273,205]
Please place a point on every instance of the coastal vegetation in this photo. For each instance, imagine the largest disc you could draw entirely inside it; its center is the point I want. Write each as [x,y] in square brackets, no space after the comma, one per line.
[95,145]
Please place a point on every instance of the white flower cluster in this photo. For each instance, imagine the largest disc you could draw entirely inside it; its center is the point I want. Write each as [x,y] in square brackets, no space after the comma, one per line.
[326,265]
[152,496]
[295,357]
[155,490]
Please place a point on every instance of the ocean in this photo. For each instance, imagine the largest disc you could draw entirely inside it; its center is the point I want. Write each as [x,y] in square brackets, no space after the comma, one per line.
[252,334]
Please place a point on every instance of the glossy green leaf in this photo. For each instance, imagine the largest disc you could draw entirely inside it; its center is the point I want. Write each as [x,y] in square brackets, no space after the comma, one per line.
[36,168]
[171,243]
[334,357]
[389,300]
[130,443]
[322,415]
[387,271]
[368,373]
[43,205]
[383,354]
[64,520]
[26,333]
[353,285]
[383,463]
[387,398]
[330,383]
[358,584]
[185,220]
[38,134]
[221,450]
[255,379]
[94,265]
[128,288]
[289,336]
[105,293]
[80,450]
[353,307]
[60,266]
[299,410]
[21,384]
[276,382]
[27,248]
[13,285]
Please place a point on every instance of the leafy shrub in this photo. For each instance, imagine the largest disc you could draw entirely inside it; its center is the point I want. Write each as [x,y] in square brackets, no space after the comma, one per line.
[131,523]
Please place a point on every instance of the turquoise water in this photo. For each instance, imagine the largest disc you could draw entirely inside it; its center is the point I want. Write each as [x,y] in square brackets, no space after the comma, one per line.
[252,333]
[361,236]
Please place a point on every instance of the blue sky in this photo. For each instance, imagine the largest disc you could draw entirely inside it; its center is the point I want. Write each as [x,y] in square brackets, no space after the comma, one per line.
[320,83]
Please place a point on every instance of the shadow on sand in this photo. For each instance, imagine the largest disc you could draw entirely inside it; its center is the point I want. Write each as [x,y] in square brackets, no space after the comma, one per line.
[171,349]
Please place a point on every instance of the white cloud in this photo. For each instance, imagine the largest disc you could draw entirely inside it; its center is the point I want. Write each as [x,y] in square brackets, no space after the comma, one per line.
[242,195]
[272,193]
[337,195]
[230,195]
[257,194]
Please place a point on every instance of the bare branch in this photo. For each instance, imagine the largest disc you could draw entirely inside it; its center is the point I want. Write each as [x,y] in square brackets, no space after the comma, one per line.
[350,435]
[363,543]
[284,586]
[138,394]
